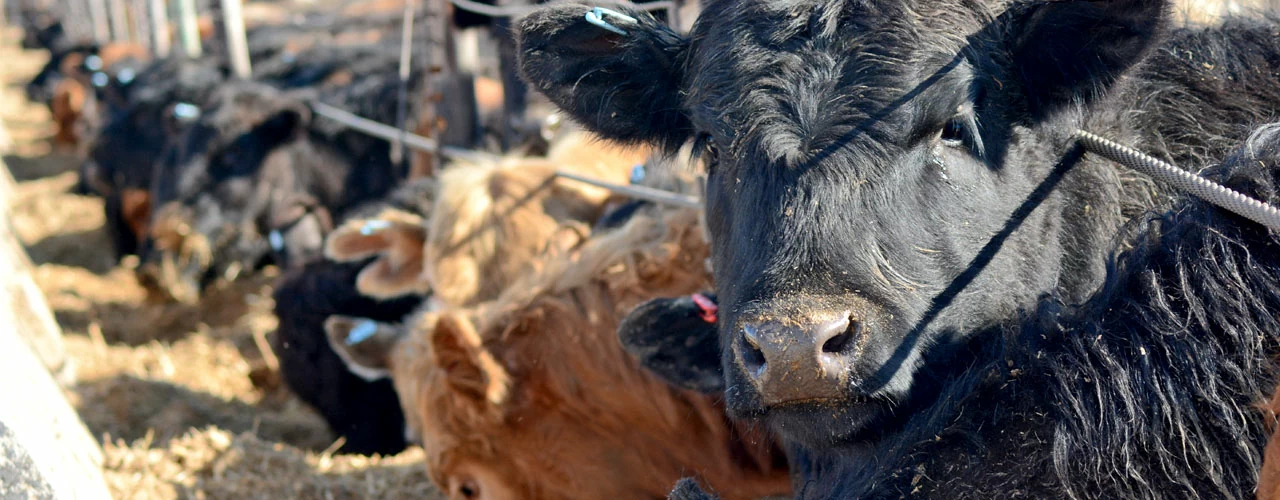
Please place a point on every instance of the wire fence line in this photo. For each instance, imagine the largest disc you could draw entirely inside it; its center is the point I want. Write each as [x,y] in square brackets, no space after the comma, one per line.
[520,10]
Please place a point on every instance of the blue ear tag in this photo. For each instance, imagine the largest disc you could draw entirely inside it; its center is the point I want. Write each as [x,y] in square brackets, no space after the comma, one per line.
[276,239]
[186,111]
[362,332]
[100,79]
[94,63]
[126,75]
[596,16]
[637,173]
[373,226]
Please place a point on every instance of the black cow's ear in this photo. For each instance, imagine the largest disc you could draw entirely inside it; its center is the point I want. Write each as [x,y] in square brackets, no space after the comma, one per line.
[287,123]
[1074,50]
[675,339]
[625,87]
[363,344]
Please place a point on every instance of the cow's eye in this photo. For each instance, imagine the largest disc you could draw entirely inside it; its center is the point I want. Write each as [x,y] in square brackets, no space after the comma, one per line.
[954,132]
[961,131]
[469,489]
[710,151]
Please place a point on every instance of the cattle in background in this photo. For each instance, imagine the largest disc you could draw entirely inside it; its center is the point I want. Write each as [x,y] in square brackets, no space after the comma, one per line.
[42,30]
[396,240]
[489,224]
[512,189]
[367,414]
[491,221]
[72,82]
[885,179]
[161,101]
[257,179]
[531,396]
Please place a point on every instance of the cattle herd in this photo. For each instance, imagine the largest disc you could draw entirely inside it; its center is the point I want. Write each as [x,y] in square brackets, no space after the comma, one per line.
[905,281]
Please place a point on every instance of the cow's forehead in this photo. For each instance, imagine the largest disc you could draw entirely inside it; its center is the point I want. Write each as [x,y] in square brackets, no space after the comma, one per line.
[787,80]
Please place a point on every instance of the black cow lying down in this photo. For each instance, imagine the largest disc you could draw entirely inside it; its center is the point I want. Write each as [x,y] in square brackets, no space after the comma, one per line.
[1147,390]
[367,414]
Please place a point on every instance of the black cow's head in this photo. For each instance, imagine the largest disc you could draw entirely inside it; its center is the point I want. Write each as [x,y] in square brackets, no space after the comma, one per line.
[216,206]
[860,155]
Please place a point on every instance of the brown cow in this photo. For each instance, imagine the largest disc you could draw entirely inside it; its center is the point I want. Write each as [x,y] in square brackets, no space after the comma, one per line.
[490,221]
[397,239]
[69,99]
[488,224]
[532,395]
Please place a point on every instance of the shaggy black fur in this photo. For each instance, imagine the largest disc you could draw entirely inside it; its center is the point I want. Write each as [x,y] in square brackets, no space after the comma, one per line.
[899,160]
[1147,390]
[366,413]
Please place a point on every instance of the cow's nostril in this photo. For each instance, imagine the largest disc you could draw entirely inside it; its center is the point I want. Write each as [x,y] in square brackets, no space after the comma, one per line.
[838,343]
[752,356]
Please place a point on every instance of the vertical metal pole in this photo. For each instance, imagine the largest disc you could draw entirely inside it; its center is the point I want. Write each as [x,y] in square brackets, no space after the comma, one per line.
[188,29]
[98,12]
[237,45]
[442,61]
[119,21]
[159,14]
[141,25]
[402,105]
[76,21]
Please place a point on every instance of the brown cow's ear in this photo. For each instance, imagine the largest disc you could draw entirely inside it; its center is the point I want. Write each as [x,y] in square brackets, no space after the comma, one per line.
[397,239]
[1072,51]
[470,370]
[625,87]
[383,279]
[363,344]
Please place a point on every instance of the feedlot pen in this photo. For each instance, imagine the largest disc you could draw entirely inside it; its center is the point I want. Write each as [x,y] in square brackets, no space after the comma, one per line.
[186,401]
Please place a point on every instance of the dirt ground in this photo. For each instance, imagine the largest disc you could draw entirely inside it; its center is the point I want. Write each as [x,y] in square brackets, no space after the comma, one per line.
[186,401]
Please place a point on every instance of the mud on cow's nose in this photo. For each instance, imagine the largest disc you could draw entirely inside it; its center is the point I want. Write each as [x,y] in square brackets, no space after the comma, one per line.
[789,362]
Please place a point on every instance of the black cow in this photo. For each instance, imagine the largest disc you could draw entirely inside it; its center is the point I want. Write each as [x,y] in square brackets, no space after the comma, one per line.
[887,178]
[158,104]
[251,182]
[41,86]
[366,413]
[1146,390]
[42,30]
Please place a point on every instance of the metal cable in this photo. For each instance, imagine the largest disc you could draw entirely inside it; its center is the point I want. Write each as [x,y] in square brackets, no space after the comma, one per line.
[1199,187]
[389,133]
[641,192]
[520,10]
[421,143]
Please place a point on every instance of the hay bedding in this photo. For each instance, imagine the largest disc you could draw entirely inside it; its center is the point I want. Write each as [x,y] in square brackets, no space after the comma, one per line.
[186,401]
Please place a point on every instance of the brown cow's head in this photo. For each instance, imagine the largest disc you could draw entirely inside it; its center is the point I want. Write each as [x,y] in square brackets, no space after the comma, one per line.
[531,396]
[492,220]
